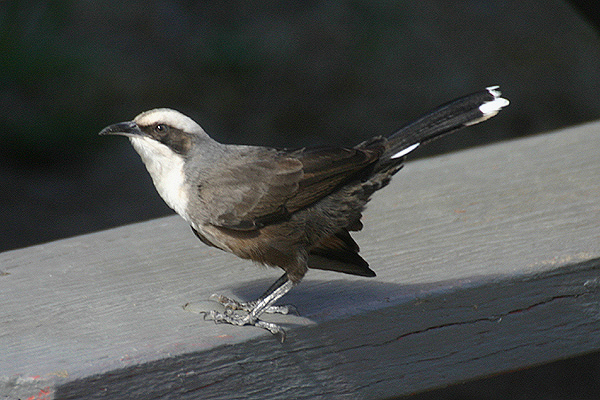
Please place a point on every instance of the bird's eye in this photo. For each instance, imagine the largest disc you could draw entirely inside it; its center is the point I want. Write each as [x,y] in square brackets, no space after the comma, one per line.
[160,128]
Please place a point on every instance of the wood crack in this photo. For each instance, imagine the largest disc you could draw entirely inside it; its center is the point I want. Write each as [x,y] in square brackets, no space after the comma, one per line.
[493,318]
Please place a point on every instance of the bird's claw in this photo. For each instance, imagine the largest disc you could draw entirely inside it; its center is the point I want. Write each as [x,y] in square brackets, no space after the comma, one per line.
[232,304]
[229,317]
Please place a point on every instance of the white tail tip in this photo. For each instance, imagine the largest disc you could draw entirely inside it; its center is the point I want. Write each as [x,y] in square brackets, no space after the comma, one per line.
[492,107]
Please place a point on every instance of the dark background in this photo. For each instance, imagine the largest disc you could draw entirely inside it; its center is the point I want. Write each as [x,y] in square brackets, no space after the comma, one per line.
[284,73]
[281,73]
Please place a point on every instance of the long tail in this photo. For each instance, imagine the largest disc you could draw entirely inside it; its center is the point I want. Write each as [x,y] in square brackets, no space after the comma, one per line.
[469,110]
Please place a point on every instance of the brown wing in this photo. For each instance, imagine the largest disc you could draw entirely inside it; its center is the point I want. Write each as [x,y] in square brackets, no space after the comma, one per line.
[271,187]
[247,195]
[325,169]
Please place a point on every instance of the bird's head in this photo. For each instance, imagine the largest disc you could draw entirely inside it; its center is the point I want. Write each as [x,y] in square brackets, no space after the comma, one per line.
[165,140]
[161,127]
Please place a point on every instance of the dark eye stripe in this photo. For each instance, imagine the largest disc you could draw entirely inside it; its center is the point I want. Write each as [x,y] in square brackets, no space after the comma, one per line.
[177,140]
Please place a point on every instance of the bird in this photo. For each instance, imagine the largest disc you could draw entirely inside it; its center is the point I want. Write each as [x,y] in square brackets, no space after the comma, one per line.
[288,208]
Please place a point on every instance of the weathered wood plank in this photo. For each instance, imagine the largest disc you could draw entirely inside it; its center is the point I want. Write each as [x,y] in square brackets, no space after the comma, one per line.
[426,343]
[454,241]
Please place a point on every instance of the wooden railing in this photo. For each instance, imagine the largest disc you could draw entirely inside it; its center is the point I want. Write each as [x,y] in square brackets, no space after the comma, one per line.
[488,260]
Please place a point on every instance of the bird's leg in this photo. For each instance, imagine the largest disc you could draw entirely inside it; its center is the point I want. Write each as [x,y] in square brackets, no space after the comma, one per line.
[264,302]
[250,305]
[273,293]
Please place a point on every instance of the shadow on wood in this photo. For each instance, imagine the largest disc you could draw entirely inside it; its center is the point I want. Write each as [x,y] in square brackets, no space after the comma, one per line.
[480,330]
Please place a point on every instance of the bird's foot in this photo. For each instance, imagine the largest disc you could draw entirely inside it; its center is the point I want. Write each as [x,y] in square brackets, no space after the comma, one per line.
[254,309]
[232,304]
[230,317]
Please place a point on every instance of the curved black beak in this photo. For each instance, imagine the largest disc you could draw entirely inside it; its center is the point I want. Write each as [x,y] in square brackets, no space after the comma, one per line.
[128,128]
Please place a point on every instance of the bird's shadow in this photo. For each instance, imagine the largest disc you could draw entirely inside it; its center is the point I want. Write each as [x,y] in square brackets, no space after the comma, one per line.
[320,300]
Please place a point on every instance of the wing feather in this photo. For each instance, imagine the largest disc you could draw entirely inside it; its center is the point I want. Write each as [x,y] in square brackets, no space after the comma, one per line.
[258,191]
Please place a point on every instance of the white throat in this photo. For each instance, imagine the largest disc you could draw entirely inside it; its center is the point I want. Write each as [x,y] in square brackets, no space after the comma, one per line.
[166,169]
